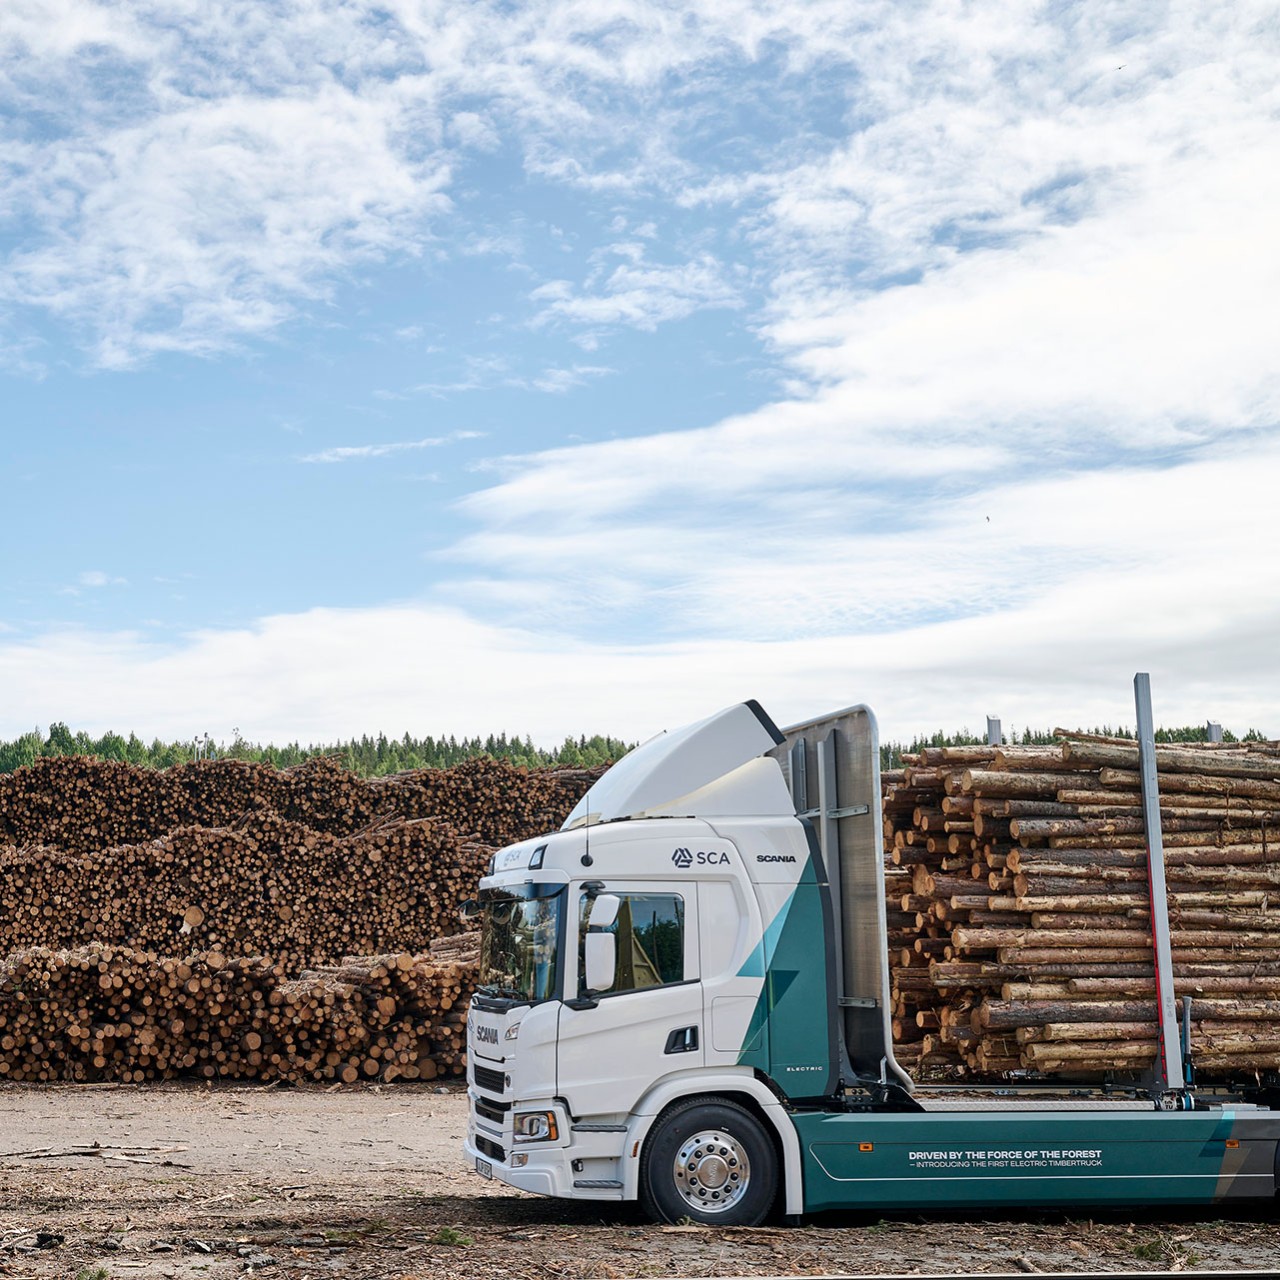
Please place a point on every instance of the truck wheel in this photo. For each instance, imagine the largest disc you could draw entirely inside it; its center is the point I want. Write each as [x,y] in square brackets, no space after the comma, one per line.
[711,1161]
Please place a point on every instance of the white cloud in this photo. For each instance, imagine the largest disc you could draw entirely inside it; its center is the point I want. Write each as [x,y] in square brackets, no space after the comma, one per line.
[1006,547]
[557,381]
[1138,337]
[1151,323]
[18,354]
[97,578]
[485,372]
[308,676]
[58,28]
[639,294]
[1035,599]
[992,123]
[212,221]
[204,171]
[474,131]
[352,453]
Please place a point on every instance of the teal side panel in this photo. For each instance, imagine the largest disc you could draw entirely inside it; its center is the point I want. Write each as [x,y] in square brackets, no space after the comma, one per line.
[791,1036]
[1034,1158]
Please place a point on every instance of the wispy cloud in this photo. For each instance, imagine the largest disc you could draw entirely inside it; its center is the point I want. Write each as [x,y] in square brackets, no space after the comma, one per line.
[192,186]
[558,381]
[97,578]
[639,294]
[198,185]
[918,679]
[92,580]
[476,372]
[483,373]
[359,452]
[1115,363]
[213,221]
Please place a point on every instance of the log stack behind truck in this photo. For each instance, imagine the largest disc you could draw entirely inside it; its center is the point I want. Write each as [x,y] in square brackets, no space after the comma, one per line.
[1020,920]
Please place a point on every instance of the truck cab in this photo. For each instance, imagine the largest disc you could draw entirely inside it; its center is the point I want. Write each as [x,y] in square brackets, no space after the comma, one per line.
[683,1000]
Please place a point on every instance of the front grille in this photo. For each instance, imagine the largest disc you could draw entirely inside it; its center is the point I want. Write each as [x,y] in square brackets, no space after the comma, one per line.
[488,1079]
[495,1112]
[492,1149]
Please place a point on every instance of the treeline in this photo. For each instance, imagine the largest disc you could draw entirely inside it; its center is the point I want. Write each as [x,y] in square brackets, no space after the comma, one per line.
[367,756]
[373,757]
[891,753]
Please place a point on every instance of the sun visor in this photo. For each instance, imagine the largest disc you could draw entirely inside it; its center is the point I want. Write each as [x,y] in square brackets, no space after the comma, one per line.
[676,764]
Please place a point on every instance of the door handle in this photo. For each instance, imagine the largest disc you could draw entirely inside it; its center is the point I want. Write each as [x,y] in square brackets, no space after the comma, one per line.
[682,1040]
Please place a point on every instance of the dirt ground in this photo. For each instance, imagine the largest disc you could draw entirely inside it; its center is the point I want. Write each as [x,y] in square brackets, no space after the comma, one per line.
[188,1182]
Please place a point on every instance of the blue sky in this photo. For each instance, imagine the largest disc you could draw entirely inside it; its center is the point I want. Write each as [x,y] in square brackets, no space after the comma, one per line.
[564,367]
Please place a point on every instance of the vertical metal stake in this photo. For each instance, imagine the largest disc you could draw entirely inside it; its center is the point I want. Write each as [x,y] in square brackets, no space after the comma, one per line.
[993,731]
[799,775]
[1214,730]
[1168,1067]
[829,843]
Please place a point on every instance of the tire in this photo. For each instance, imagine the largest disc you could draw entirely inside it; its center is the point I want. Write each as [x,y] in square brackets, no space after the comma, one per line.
[708,1160]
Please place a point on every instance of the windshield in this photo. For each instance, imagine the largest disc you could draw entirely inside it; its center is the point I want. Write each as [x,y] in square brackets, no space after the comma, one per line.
[519,942]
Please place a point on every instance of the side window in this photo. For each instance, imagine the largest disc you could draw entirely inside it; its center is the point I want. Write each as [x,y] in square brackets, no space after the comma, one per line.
[650,933]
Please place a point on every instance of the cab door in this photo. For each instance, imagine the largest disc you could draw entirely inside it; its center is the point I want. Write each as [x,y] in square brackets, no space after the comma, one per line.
[649,1023]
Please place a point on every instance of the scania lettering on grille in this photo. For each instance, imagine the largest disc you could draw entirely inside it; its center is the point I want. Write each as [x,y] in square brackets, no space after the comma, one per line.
[775,857]
[488,1034]
[683,858]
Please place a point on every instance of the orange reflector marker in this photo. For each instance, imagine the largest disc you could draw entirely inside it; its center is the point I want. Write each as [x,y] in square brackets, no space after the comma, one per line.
[1232,1143]
[866,1146]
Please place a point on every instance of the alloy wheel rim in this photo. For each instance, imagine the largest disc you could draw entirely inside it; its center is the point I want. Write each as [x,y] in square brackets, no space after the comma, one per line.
[711,1171]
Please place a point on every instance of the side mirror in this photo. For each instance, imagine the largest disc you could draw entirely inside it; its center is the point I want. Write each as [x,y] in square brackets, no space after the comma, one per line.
[604,911]
[602,961]
[470,910]
[602,946]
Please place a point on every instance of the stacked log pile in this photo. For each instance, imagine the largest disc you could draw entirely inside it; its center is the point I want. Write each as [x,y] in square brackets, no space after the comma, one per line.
[228,919]
[496,802]
[1019,914]
[266,886]
[100,1012]
[80,805]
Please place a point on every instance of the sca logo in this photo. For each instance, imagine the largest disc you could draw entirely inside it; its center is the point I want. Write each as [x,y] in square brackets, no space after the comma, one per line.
[683,858]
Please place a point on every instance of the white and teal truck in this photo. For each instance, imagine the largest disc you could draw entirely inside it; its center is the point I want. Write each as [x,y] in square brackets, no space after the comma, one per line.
[683,1000]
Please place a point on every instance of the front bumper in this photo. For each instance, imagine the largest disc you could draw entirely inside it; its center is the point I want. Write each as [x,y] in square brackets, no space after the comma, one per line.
[547,1173]
[579,1166]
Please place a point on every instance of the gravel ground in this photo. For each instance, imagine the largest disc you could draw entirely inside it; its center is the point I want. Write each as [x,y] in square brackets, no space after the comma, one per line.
[355,1183]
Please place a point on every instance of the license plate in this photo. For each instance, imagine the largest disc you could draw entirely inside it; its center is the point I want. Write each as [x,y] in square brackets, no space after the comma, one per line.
[484,1168]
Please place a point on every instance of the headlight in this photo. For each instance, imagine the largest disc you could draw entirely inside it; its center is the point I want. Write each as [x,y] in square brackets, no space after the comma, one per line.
[534,1126]
[513,1031]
